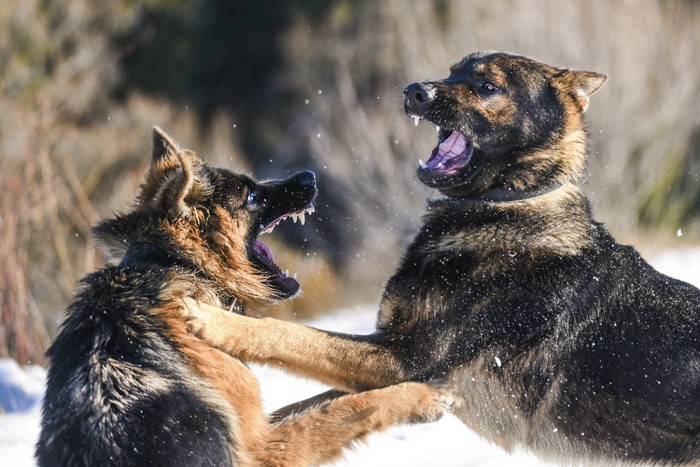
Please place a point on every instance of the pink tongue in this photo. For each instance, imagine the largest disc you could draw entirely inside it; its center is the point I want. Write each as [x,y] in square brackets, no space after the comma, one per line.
[264,250]
[453,146]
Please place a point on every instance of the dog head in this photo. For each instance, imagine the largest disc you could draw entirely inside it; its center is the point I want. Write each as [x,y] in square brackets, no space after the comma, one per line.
[209,219]
[504,122]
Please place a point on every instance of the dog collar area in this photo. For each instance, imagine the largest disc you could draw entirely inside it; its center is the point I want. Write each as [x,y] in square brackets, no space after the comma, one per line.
[503,195]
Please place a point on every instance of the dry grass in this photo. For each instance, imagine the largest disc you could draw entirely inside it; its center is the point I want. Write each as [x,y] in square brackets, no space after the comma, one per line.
[641,122]
[71,153]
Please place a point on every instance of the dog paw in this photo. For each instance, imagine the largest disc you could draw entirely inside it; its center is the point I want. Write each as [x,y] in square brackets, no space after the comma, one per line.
[195,316]
[433,402]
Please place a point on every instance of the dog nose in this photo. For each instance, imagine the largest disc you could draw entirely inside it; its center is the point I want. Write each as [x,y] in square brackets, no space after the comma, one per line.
[306,177]
[417,97]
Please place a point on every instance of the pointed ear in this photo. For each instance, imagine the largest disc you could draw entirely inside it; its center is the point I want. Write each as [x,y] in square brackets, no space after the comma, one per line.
[581,85]
[175,192]
[163,146]
[170,178]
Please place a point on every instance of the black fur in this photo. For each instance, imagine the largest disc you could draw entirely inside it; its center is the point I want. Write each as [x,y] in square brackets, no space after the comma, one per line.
[99,408]
[125,386]
[556,338]
[599,352]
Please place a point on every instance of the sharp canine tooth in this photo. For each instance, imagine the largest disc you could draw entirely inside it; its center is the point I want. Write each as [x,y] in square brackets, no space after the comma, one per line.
[437,128]
[302,218]
[416,119]
[294,218]
[286,273]
[422,164]
[295,276]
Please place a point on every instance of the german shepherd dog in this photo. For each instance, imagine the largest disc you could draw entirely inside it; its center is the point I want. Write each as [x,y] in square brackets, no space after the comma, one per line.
[555,337]
[128,385]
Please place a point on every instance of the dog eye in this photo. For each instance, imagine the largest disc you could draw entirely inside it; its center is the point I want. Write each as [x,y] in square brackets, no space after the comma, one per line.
[253,197]
[489,87]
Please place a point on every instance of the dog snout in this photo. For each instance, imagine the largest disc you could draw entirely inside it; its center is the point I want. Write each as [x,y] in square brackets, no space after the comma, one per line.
[301,184]
[306,178]
[418,97]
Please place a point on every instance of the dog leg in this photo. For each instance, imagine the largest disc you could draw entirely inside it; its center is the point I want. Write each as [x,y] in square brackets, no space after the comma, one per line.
[301,406]
[320,432]
[343,361]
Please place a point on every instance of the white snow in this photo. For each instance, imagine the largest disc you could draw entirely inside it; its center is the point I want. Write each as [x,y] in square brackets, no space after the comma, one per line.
[445,443]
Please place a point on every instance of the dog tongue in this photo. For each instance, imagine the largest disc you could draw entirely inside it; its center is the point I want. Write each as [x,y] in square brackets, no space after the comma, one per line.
[453,146]
[447,155]
[264,250]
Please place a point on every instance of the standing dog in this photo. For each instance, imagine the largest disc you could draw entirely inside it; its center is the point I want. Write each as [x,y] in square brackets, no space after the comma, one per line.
[557,338]
[128,385]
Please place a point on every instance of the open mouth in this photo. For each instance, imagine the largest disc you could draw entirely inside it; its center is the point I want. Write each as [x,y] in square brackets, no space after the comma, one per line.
[262,256]
[449,162]
[453,152]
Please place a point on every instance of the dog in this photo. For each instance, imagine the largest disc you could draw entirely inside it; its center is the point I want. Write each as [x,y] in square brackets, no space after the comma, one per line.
[128,385]
[556,338]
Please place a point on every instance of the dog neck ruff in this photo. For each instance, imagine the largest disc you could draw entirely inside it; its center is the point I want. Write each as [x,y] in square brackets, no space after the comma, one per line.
[148,254]
[504,195]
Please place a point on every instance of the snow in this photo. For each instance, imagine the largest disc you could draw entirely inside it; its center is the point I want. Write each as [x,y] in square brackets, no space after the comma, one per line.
[445,443]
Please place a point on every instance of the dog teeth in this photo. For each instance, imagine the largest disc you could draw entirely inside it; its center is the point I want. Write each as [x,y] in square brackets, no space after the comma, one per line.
[301,216]
[269,228]
[286,273]
[422,164]
[437,129]
[295,276]
[416,119]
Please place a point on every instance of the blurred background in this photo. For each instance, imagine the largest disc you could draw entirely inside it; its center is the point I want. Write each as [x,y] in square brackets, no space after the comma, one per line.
[272,87]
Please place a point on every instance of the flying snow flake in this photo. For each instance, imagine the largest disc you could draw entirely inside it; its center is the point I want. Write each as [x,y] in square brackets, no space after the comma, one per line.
[679,233]
[498,362]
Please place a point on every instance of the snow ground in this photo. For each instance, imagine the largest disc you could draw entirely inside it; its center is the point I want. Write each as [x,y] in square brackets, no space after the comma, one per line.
[445,443]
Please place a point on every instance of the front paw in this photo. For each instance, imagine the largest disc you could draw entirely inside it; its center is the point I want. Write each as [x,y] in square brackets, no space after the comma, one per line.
[196,314]
[433,401]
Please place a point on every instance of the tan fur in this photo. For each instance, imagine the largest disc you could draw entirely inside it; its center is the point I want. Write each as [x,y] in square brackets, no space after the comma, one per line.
[303,349]
[318,433]
[177,198]
[550,230]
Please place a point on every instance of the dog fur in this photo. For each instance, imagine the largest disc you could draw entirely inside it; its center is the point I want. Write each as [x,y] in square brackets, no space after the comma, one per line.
[128,385]
[557,338]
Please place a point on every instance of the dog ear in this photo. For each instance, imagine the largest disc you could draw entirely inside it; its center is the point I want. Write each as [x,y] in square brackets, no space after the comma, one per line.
[581,84]
[164,156]
[170,179]
[163,145]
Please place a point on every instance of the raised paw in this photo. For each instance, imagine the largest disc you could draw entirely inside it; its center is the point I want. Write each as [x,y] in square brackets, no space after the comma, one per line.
[432,401]
[198,315]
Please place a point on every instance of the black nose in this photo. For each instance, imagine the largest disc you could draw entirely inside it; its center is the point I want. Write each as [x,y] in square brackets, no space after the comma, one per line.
[417,98]
[306,177]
